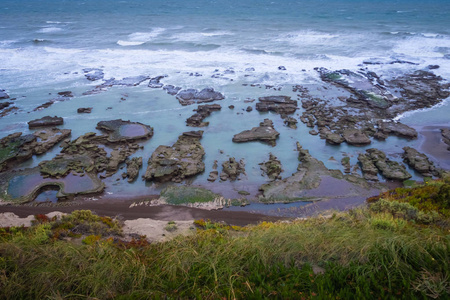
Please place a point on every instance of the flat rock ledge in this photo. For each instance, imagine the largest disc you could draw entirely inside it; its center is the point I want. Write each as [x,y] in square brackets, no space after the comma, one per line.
[264,133]
[46,121]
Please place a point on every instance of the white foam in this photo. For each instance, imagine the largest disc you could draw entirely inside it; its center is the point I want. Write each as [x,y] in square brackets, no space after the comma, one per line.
[49,30]
[128,43]
[140,38]
[421,46]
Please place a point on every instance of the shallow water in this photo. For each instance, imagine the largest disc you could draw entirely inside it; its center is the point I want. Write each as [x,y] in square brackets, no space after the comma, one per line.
[45,45]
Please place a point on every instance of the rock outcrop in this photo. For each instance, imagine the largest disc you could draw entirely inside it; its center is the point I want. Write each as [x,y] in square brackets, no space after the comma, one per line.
[279,104]
[419,162]
[120,130]
[231,169]
[264,133]
[16,148]
[84,110]
[46,121]
[388,168]
[368,168]
[133,167]
[386,128]
[3,95]
[272,168]
[203,111]
[192,96]
[353,136]
[183,159]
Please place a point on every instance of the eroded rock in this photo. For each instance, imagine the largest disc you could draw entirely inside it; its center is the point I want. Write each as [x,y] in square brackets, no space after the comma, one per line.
[203,111]
[84,110]
[419,162]
[183,159]
[279,104]
[133,167]
[192,96]
[46,122]
[272,168]
[231,169]
[368,168]
[388,168]
[354,136]
[120,130]
[264,133]
[386,128]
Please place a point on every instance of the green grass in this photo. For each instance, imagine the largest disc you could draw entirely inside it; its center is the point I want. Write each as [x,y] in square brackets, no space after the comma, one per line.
[375,252]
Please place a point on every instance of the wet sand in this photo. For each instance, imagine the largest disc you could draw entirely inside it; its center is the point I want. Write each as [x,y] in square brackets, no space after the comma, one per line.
[433,145]
[121,209]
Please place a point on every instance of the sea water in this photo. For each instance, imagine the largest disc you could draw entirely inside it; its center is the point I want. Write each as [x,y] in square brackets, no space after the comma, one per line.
[46,44]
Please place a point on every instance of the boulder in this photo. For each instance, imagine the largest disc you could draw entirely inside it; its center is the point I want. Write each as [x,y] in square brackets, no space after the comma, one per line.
[46,122]
[368,168]
[179,161]
[419,162]
[264,133]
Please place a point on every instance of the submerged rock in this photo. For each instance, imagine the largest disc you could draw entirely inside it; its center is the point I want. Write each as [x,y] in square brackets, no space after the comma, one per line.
[264,133]
[120,130]
[191,96]
[279,104]
[93,74]
[291,122]
[171,90]
[389,169]
[272,168]
[127,81]
[183,159]
[3,95]
[203,111]
[46,122]
[419,162]
[155,82]
[84,110]
[231,169]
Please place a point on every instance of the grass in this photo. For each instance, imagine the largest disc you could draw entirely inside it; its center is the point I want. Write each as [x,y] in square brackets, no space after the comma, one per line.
[184,194]
[369,253]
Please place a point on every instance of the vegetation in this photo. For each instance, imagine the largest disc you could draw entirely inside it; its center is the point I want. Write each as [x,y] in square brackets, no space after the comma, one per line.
[397,247]
[187,194]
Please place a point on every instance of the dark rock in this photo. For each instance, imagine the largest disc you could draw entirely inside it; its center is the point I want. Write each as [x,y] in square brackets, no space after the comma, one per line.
[84,110]
[231,169]
[332,138]
[183,159]
[120,130]
[389,169]
[264,133]
[66,94]
[231,107]
[191,96]
[272,168]
[345,162]
[171,90]
[395,128]
[250,69]
[291,122]
[93,74]
[213,175]
[419,162]
[203,111]
[4,105]
[46,121]
[249,109]
[45,105]
[3,95]
[313,132]
[279,104]
[155,82]
[282,68]
[433,67]
[354,136]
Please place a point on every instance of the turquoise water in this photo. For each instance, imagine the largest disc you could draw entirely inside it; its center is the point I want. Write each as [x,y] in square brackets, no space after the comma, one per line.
[45,45]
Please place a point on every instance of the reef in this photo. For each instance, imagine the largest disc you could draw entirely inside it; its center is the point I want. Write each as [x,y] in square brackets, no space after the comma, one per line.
[264,133]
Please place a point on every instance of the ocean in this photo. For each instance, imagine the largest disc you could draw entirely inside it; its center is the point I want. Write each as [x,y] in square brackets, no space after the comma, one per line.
[226,45]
